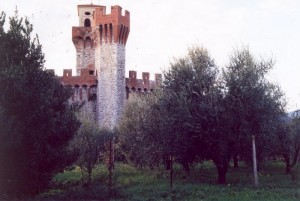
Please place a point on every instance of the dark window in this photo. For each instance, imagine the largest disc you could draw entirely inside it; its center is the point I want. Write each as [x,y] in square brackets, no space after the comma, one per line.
[87,23]
[91,72]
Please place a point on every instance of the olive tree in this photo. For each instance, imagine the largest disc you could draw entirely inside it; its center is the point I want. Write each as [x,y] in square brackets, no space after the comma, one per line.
[195,101]
[253,102]
[141,130]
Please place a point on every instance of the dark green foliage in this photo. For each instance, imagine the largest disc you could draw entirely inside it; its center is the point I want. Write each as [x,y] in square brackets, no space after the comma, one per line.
[36,123]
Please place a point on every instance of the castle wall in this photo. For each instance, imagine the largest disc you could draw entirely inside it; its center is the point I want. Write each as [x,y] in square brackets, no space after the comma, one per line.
[86,91]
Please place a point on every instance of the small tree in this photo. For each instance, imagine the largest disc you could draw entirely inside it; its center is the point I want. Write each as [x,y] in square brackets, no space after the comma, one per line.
[140,131]
[89,145]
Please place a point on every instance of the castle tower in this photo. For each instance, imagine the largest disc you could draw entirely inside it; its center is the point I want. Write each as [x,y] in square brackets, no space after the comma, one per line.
[100,42]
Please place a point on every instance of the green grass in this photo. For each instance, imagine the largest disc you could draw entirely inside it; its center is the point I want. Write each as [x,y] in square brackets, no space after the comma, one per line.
[138,185]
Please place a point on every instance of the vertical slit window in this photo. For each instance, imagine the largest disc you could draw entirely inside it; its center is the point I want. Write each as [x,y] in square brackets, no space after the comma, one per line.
[101,30]
[105,28]
[110,32]
[123,34]
[120,34]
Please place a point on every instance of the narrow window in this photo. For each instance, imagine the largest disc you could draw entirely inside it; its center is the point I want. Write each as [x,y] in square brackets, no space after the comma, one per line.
[101,30]
[105,32]
[120,34]
[87,22]
[110,33]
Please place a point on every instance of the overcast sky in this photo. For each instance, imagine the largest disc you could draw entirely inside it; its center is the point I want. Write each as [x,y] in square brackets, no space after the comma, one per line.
[163,29]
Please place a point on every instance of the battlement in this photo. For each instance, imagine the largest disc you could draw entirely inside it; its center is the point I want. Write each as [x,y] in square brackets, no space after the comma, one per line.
[87,78]
[144,84]
[115,17]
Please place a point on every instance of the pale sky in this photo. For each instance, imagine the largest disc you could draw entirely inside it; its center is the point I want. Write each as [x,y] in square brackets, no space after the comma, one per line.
[163,29]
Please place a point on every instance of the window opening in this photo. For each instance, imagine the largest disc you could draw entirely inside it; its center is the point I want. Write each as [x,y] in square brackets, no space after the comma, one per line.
[87,23]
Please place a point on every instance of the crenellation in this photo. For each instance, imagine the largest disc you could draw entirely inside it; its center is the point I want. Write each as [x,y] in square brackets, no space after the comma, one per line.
[158,79]
[67,73]
[144,84]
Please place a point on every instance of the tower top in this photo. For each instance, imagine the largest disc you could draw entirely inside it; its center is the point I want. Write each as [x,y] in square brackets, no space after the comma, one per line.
[115,23]
[98,12]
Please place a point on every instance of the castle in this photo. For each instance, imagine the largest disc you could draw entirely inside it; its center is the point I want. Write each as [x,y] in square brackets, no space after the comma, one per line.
[100,83]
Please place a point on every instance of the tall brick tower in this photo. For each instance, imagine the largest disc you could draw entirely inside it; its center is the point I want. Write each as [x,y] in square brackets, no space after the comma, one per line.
[100,42]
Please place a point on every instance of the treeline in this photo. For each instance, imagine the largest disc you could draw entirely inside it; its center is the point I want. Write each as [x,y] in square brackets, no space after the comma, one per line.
[203,112]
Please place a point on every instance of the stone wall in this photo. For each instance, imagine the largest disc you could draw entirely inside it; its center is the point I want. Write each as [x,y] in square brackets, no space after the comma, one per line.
[111,74]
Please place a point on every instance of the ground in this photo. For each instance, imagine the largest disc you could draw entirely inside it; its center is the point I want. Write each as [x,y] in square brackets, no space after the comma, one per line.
[200,185]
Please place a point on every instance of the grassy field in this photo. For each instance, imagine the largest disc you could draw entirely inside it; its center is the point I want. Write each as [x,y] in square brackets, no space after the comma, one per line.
[138,185]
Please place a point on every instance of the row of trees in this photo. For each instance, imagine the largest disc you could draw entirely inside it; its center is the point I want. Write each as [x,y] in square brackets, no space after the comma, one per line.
[204,114]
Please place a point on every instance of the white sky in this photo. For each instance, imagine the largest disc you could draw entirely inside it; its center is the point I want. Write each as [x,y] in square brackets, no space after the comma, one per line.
[163,29]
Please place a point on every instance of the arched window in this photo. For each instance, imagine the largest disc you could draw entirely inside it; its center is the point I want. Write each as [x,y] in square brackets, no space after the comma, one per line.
[87,22]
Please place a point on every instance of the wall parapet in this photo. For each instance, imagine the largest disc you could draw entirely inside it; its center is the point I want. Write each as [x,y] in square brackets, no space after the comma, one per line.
[87,78]
[85,84]
[144,84]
